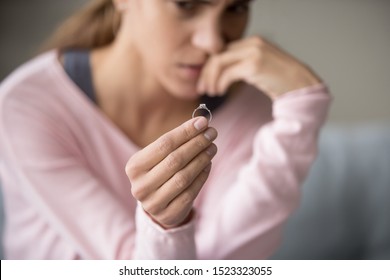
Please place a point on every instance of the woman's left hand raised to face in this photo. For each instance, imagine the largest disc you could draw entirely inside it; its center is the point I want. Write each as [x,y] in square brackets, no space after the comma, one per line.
[257,62]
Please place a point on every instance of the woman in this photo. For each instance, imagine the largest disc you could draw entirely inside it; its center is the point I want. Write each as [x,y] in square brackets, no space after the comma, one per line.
[102,159]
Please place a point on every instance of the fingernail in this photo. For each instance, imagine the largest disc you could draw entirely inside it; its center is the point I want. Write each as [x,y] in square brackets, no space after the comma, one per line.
[208,168]
[211,151]
[210,134]
[201,123]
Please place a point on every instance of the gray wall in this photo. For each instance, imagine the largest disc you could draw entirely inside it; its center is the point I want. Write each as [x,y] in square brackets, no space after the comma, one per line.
[346,41]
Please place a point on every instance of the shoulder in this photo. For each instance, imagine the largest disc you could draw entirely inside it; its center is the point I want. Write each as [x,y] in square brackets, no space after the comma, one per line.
[33,113]
[39,88]
[29,97]
[29,77]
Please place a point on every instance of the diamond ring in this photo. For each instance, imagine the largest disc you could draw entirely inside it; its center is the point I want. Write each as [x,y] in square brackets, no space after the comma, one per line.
[203,112]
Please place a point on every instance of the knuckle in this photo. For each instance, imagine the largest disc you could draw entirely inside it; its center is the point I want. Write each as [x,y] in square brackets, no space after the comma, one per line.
[187,198]
[200,143]
[131,168]
[138,193]
[174,161]
[181,180]
[258,41]
[256,53]
[165,145]
[188,131]
[152,207]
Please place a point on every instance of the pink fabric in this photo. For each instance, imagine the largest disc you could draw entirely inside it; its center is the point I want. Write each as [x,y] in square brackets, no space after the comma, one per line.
[67,195]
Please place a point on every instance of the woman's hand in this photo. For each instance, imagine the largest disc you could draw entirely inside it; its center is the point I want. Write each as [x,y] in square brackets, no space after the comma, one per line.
[258,63]
[167,175]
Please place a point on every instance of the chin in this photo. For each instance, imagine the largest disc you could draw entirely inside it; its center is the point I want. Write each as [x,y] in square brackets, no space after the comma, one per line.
[185,91]
[186,95]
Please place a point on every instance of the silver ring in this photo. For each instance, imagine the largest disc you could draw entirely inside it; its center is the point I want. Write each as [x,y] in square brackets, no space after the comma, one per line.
[203,107]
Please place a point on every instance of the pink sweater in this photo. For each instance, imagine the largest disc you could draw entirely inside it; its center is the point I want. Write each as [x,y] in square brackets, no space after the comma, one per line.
[67,196]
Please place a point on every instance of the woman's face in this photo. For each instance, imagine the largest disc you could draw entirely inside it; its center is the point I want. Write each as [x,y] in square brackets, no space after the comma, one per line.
[174,38]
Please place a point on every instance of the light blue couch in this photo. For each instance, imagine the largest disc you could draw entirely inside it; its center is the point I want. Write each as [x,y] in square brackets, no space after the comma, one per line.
[345,207]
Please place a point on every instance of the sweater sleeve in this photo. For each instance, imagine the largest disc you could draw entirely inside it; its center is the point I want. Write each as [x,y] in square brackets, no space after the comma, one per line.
[47,170]
[248,222]
[154,242]
[45,163]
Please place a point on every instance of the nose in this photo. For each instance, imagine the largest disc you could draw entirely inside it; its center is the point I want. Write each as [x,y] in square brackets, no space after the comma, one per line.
[209,38]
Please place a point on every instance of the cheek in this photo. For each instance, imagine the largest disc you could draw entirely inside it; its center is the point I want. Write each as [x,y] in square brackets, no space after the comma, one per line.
[164,50]
[160,50]
[157,37]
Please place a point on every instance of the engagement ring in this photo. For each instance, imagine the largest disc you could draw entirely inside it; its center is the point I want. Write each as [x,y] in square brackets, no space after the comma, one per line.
[203,111]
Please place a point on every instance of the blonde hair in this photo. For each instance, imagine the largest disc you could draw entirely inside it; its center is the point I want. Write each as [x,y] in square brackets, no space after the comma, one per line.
[93,26]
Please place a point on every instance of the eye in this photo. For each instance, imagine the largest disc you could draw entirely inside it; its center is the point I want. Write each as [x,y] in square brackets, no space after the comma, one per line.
[239,8]
[186,5]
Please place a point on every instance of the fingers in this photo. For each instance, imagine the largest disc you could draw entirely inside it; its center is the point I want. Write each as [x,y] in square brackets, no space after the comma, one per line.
[167,189]
[252,41]
[181,181]
[231,66]
[178,208]
[232,74]
[272,70]
[184,156]
[151,155]
[213,69]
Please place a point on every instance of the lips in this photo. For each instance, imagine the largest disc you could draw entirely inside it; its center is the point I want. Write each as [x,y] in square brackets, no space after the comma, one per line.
[191,71]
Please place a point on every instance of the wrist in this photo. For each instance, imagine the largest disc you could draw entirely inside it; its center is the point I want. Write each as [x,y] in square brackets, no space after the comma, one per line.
[186,220]
[299,79]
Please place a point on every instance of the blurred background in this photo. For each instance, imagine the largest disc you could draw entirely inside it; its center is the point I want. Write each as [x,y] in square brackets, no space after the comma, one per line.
[346,42]
[345,206]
